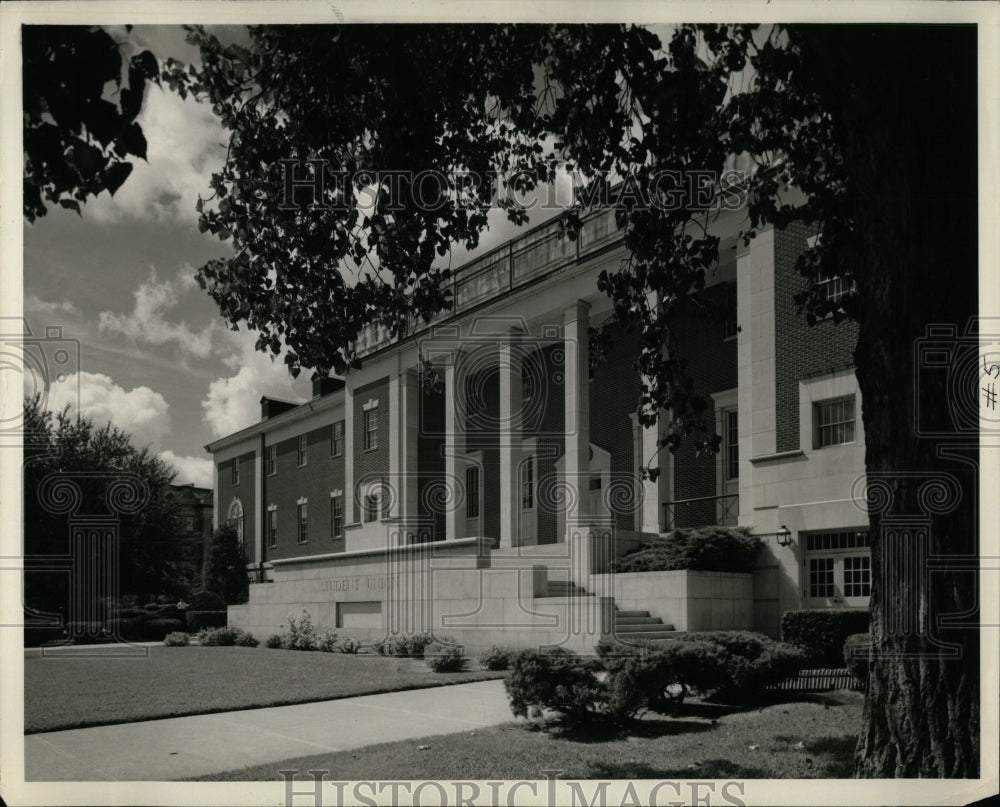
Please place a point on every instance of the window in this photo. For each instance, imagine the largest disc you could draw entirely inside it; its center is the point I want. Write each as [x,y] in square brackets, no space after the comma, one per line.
[235,470]
[234,518]
[371,429]
[303,523]
[821,577]
[857,576]
[835,288]
[272,460]
[833,422]
[336,517]
[528,484]
[372,502]
[732,444]
[729,324]
[337,439]
[845,539]
[272,526]
[188,523]
[472,492]
[303,454]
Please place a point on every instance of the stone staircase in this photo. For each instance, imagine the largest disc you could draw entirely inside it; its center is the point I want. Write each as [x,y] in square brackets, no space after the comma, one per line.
[628,624]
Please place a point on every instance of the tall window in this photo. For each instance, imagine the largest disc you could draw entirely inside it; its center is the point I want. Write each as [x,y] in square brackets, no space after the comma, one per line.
[272,460]
[833,422]
[472,492]
[337,439]
[371,428]
[821,577]
[373,500]
[272,527]
[235,471]
[528,484]
[857,576]
[303,533]
[303,454]
[336,517]
[732,444]
[235,518]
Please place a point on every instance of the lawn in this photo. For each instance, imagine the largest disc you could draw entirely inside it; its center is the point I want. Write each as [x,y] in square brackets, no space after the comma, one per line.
[800,737]
[67,692]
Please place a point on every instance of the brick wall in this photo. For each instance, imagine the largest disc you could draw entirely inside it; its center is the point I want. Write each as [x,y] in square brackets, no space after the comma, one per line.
[712,363]
[313,481]
[801,350]
[376,461]
[244,491]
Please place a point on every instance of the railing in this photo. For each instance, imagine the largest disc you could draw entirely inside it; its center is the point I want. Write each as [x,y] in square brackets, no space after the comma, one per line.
[703,511]
[521,260]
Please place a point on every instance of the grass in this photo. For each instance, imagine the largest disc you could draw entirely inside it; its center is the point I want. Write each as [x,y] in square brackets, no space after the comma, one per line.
[702,740]
[68,692]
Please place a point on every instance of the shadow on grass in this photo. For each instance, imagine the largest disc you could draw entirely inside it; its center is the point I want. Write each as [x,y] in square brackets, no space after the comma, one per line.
[605,731]
[836,753]
[707,769]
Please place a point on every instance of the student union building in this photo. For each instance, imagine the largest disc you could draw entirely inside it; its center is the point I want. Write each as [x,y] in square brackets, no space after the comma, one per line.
[477,478]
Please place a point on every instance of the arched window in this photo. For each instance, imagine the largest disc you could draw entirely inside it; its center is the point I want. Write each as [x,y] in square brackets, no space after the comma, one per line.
[235,518]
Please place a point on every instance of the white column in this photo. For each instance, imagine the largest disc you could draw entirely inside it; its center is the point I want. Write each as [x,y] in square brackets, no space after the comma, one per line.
[650,458]
[510,436]
[454,468]
[258,497]
[577,412]
[350,517]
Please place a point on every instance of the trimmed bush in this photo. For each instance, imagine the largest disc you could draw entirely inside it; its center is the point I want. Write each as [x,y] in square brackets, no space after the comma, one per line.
[710,549]
[226,637]
[170,611]
[349,645]
[155,630]
[132,629]
[206,601]
[151,607]
[399,645]
[858,655]
[496,658]
[821,632]
[558,680]
[176,639]
[275,641]
[443,658]
[130,613]
[327,641]
[752,662]
[196,620]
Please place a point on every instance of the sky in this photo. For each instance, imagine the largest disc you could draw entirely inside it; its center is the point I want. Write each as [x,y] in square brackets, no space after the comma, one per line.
[156,358]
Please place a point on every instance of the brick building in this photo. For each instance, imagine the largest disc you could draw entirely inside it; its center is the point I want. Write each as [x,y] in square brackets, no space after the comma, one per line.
[477,477]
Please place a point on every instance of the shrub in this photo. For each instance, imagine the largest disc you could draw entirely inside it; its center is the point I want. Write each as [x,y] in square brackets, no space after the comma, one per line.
[88,632]
[710,549]
[349,645]
[206,601]
[301,634]
[130,613]
[131,629]
[858,655]
[327,641]
[151,607]
[196,620]
[176,639]
[443,658]
[399,645]
[170,612]
[275,641]
[496,658]
[557,680]
[155,630]
[821,632]
[34,636]
[751,663]
[226,637]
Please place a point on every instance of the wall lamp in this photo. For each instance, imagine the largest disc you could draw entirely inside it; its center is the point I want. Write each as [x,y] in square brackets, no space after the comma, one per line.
[784,535]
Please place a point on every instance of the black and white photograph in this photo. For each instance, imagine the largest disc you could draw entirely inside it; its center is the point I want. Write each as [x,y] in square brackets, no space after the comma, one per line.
[430,404]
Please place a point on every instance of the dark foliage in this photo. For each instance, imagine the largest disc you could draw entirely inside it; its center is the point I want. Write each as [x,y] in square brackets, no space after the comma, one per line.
[821,632]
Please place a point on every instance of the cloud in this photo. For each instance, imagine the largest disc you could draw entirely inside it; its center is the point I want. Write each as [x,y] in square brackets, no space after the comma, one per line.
[190,470]
[141,412]
[185,146]
[35,305]
[233,403]
[148,323]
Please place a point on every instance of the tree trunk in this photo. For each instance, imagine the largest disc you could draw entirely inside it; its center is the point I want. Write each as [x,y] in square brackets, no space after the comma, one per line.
[904,99]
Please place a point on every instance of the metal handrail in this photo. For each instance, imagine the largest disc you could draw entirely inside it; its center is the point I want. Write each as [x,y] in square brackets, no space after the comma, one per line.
[726,515]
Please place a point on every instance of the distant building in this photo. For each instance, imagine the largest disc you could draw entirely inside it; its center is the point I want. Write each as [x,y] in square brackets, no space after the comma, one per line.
[475,479]
[196,506]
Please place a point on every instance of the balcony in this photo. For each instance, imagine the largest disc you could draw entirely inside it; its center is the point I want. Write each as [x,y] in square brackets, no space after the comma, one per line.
[704,511]
[539,252]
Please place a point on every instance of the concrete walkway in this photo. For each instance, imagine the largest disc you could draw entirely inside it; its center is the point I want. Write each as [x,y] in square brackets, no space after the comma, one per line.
[180,747]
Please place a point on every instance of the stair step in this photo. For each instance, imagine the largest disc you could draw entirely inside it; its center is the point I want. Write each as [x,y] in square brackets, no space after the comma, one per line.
[630,613]
[644,627]
[638,620]
[668,632]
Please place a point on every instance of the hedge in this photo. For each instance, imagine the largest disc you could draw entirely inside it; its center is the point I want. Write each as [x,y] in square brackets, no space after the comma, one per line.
[858,655]
[206,601]
[711,549]
[156,630]
[196,620]
[821,632]
[443,658]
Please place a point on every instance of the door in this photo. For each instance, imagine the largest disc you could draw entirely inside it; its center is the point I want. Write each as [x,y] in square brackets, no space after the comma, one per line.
[727,511]
[528,532]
